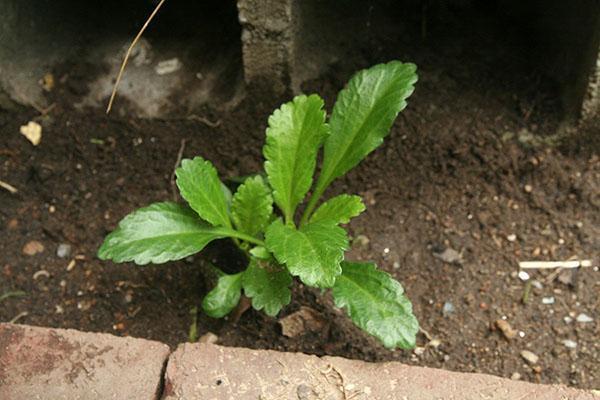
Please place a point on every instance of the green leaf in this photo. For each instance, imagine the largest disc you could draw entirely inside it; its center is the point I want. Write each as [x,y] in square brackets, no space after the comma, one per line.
[295,133]
[339,209]
[376,303]
[267,286]
[261,253]
[252,206]
[227,194]
[200,186]
[313,252]
[362,116]
[224,297]
[158,233]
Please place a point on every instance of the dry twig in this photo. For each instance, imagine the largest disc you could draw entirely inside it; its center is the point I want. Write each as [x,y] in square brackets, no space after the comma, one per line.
[8,187]
[554,264]
[177,162]
[128,54]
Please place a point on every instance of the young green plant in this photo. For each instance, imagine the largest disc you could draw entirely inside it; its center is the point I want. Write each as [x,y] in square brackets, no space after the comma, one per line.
[281,244]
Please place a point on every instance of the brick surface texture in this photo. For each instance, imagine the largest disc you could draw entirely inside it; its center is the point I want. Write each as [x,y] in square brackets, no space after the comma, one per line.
[204,371]
[42,363]
[53,364]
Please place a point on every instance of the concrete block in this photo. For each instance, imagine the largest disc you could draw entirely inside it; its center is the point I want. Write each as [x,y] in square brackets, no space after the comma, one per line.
[53,364]
[267,43]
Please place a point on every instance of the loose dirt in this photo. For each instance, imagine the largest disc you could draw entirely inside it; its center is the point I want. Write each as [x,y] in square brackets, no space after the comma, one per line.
[472,165]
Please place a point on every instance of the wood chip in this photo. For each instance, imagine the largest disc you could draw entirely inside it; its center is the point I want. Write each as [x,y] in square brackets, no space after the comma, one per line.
[8,187]
[507,330]
[71,265]
[32,131]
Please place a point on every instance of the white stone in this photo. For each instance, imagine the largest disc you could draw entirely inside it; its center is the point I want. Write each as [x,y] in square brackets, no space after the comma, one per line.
[583,318]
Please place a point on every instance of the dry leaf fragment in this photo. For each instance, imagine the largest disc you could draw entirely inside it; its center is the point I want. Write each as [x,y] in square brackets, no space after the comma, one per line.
[302,321]
[33,132]
[47,82]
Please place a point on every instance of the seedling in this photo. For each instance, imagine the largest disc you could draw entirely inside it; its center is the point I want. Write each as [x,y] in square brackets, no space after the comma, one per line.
[282,244]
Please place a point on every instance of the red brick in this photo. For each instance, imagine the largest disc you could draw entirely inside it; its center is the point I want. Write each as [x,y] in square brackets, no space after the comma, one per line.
[205,371]
[41,363]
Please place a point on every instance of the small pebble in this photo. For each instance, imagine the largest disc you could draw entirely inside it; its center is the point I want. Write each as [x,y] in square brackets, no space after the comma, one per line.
[568,320]
[208,337]
[449,255]
[528,188]
[512,237]
[128,298]
[537,284]
[59,309]
[566,277]
[419,351]
[530,357]
[521,334]
[32,248]
[507,330]
[447,309]
[63,250]
[548,300]
[583,318]
[362,240]
[570,344]
[396,265]
[524,276]
[515,376]
[167,66]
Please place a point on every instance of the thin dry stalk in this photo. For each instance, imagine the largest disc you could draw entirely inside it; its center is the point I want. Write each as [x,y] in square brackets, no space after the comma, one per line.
[8,187]
[128,54]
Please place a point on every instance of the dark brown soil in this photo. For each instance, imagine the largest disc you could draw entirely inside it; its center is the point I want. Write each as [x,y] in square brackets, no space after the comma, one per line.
[460,170]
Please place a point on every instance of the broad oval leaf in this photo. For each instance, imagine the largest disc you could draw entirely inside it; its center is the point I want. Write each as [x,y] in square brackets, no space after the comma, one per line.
[313,252]
[295,134]
[252,206]
[200,186]
[363,115]
[267,286]
[339,209]
[156,234]
[224,297]
[376,303]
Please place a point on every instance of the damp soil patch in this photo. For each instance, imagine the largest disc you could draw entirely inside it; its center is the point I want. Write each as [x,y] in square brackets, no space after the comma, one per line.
[472,165]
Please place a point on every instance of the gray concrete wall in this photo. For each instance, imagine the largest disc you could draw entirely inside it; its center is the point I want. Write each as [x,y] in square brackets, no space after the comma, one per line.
[565,39]
[267,43]
[287,42]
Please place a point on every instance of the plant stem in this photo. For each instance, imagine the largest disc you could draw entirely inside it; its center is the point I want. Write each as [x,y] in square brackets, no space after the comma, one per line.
[312,203]
[239,235]
[16,293]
